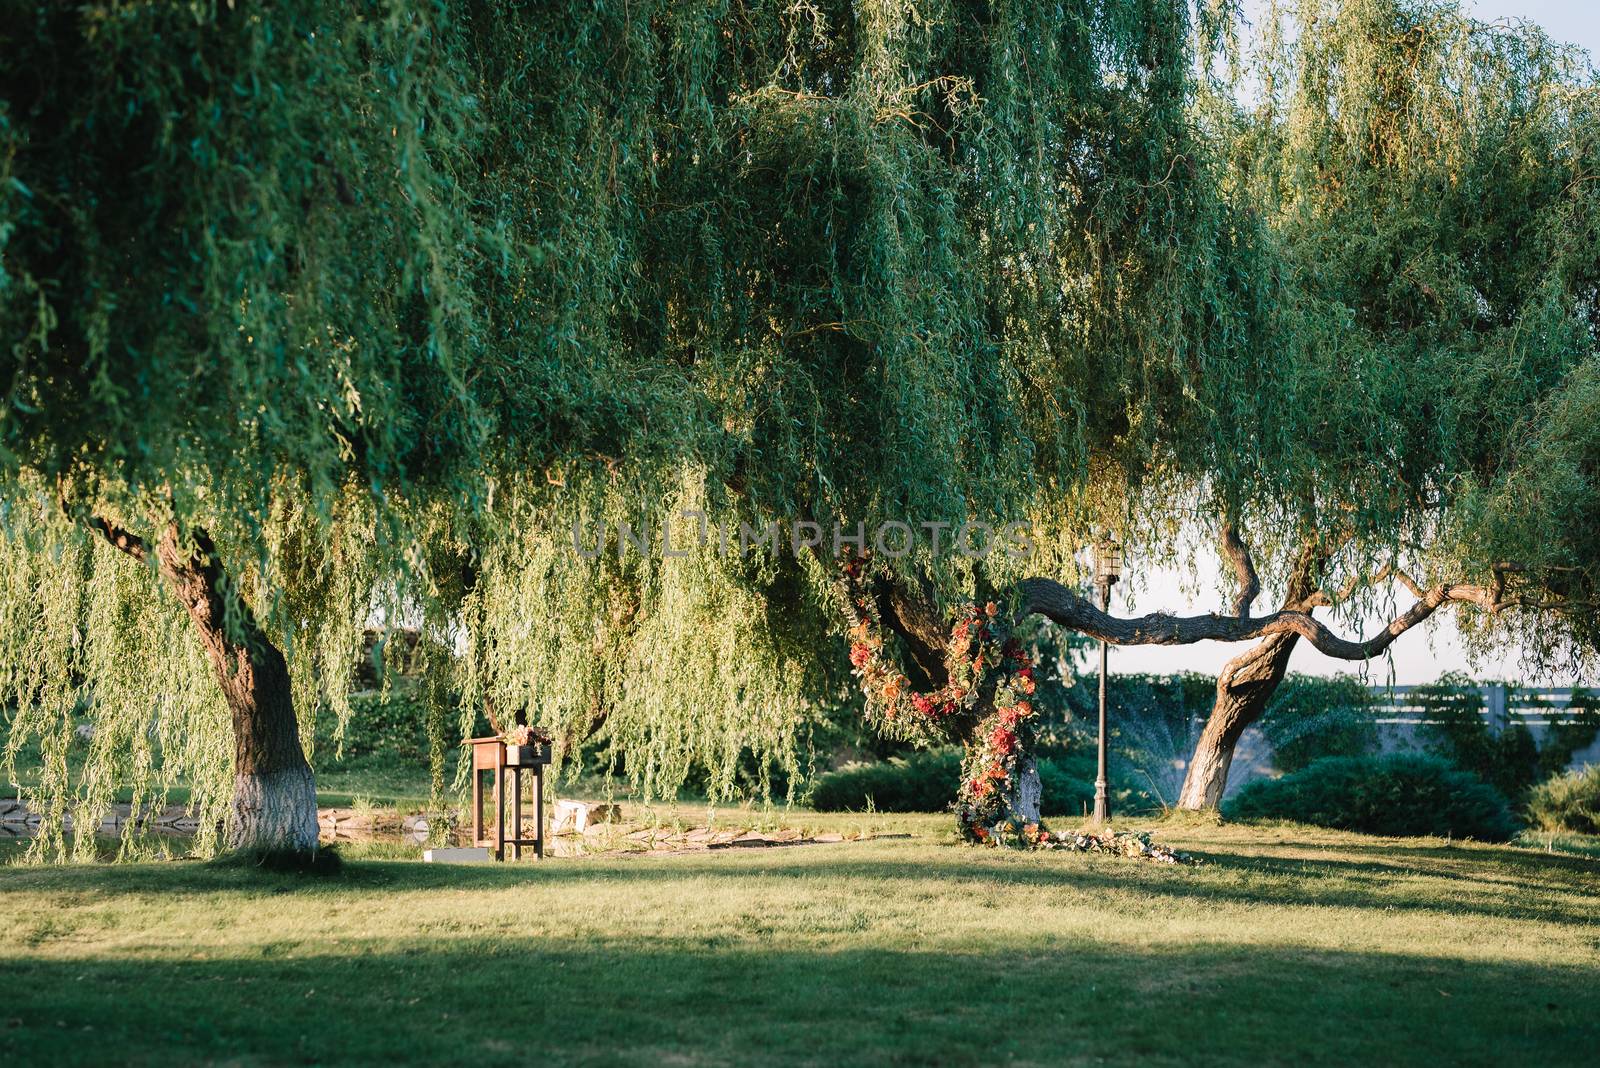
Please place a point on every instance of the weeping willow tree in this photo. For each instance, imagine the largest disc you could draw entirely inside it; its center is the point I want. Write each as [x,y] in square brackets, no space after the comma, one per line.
[932,263]
[468,311]
[1429,182]
[278,300]
[945,263]
[312,309]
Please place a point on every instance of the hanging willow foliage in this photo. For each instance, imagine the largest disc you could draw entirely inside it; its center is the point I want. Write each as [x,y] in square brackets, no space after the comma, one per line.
[81,630]
[383,297]
[1427,180]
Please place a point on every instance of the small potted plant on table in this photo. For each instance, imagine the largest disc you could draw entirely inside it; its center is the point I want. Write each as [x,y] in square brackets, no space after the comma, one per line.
[526,746]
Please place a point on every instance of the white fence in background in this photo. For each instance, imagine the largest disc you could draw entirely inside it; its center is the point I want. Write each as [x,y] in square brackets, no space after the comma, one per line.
[1532,706]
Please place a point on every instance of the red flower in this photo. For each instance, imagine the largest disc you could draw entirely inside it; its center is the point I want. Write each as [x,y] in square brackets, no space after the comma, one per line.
[923,705]
[991,609]
[860,654]
[1002,740]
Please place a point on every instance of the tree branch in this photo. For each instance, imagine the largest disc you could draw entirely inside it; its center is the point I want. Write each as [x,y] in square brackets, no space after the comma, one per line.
[1244,567]
[1319,599]
[1407,581]
[124,540]
[1061,605]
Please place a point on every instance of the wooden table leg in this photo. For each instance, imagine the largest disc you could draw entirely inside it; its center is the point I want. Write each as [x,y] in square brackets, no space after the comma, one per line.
[499,811]
[516,813]
[477,805]
[538,812]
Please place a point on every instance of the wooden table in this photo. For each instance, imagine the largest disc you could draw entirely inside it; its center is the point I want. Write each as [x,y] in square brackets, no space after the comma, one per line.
[507,763]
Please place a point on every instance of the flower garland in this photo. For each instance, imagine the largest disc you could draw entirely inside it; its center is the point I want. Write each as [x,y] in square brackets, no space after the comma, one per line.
[1000,741]
[994,763]
[978,647]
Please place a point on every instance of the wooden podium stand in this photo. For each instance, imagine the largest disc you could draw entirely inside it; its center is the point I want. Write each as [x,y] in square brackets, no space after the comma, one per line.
[506,764]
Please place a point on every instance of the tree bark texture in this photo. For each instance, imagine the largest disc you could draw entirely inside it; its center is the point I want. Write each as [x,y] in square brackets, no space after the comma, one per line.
[274,795]
[1027,792]
[1244,687]
[1248,681]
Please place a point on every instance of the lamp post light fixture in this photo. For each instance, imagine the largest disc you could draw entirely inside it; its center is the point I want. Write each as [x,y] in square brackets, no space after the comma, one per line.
[1107,570]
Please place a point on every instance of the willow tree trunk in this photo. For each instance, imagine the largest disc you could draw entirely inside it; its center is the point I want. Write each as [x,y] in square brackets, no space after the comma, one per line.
[274,796]
[1245,686]
[1027,792]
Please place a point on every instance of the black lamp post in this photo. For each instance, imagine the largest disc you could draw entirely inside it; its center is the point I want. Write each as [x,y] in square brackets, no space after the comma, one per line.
[1107,569]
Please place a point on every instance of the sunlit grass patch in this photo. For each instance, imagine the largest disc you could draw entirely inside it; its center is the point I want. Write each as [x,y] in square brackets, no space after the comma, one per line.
[1290,944]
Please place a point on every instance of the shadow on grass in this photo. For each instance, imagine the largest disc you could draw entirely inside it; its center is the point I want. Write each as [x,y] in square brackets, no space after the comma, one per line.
[1511,884]
[749,999]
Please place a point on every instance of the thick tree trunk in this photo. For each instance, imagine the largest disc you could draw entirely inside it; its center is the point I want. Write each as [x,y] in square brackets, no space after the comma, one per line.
[1026,792]
[1249,680]
[1245,686]
[986,807]
[274,795]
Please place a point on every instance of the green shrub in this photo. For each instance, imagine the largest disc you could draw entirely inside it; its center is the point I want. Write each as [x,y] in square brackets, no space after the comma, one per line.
[1398,794]
[919,782]
[1310,718]
[1454,728]
[1567,802]
[392,724]
[1066,785]
[927,782]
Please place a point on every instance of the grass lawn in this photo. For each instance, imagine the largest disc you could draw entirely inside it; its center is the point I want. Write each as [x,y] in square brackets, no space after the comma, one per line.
[1290,945]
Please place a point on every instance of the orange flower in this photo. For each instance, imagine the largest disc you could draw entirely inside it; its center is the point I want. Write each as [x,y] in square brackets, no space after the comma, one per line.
[991,609]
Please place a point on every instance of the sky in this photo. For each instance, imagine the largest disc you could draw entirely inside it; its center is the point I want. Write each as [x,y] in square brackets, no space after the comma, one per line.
[1426,652]
[1577,21]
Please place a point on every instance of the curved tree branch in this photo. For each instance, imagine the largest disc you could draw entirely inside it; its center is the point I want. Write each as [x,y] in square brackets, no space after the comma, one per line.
[127,541]
[1061,605]
[1244,567]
